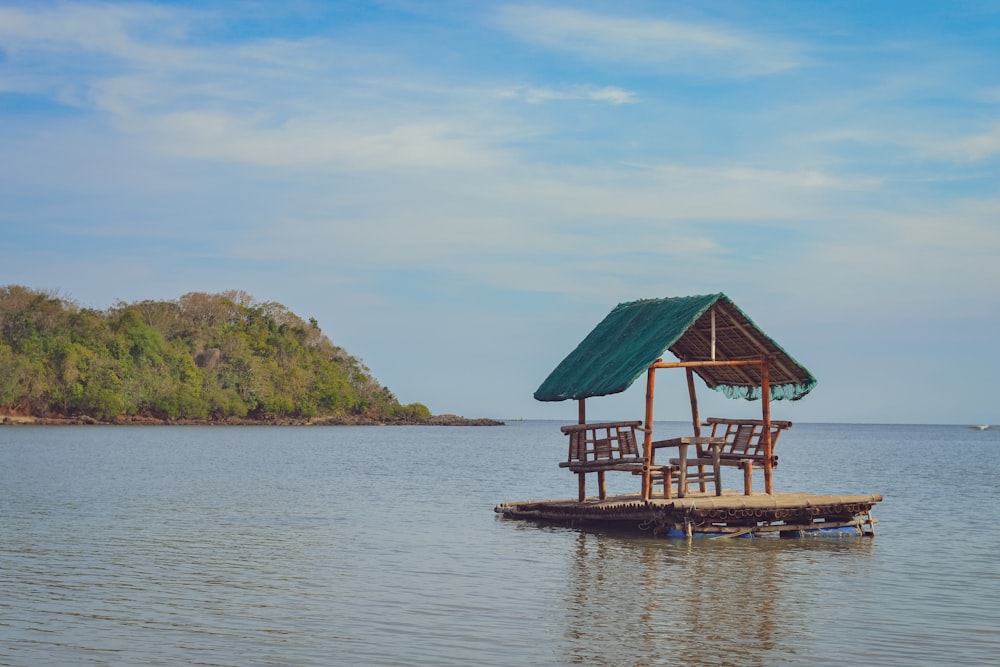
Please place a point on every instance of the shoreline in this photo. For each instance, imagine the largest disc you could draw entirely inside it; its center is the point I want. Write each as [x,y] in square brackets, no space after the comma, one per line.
[138,420]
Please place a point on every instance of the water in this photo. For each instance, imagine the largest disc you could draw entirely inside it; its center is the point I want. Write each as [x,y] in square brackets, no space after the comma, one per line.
[378,546]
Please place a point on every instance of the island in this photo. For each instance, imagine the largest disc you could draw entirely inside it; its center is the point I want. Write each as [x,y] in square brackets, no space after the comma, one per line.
[200,359]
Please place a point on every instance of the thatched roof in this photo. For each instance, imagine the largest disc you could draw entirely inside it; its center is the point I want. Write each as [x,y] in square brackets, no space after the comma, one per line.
[635,334]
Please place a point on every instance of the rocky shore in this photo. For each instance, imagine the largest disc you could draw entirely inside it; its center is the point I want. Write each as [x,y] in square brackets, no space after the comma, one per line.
[434,420]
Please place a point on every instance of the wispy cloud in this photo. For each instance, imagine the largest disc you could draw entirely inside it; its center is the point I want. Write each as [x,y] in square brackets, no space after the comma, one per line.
[538,95]
[974,147]
[261,102]
[656,43]
[95,28]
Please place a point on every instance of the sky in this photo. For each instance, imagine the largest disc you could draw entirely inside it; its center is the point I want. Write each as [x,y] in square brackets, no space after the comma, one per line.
[458,192]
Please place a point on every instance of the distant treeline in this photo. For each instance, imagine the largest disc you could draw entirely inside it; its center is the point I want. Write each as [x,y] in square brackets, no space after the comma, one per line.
[201,357]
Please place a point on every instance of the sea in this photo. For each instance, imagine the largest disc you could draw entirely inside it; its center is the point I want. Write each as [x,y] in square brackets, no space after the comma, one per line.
[338,545]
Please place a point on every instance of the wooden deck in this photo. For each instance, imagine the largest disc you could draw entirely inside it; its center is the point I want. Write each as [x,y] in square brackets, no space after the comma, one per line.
[730,514]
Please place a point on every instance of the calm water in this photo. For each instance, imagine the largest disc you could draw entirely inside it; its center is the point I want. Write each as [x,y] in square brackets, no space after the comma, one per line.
[378,546]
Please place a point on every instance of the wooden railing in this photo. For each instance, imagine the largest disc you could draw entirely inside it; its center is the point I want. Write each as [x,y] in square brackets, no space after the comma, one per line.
[743,448]
[600,447]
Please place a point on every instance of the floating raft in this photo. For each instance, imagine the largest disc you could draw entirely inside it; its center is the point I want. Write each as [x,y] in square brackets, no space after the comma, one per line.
[732,514]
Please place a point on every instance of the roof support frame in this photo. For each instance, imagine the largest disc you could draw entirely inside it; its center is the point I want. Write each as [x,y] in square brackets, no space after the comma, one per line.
[764,361]
[750,336]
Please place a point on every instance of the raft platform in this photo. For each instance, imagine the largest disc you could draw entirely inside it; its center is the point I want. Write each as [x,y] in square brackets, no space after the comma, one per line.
[714,340]
[732,514]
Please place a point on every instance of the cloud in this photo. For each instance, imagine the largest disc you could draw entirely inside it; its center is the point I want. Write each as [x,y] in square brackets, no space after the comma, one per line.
[267,102]
[56,49]
[564,228]
[539,95]
[971,148]
[93,28]
[317,142]
[657,44]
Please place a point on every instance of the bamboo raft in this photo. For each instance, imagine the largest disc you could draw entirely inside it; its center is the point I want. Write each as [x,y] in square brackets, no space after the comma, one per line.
[732,514]
[714,340]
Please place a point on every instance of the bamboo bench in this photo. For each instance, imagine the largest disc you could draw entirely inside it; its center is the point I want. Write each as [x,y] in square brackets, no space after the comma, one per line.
[744,449]
[603,447]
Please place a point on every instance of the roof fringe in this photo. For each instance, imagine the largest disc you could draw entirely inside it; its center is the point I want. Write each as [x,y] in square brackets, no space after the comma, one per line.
[781,392]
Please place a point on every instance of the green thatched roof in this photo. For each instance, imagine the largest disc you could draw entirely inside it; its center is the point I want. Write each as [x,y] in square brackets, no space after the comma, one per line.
[635,334]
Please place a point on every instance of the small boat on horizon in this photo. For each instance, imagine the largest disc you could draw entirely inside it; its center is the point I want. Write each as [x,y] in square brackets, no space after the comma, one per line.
[981,427]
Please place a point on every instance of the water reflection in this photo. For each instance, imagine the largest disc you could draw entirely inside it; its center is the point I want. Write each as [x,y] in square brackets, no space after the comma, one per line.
[702,602]
[236,546]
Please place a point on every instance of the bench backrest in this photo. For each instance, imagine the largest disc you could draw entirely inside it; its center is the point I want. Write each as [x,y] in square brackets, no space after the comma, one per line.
[606,441]
[744,437]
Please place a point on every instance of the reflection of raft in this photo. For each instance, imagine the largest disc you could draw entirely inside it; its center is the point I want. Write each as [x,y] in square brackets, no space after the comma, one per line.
[730,514]
[714,340]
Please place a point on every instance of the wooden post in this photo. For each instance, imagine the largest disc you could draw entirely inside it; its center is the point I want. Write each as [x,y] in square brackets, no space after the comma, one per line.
[696,422]
[582,477]
[713,333]
[695,418]
[716,470]
[647,441]
[765,404]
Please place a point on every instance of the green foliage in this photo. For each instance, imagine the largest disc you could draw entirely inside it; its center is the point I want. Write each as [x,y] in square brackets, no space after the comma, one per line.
[202,356]
[417,412]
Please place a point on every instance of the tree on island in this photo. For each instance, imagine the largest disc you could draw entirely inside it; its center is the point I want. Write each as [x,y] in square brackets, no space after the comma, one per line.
[219,357]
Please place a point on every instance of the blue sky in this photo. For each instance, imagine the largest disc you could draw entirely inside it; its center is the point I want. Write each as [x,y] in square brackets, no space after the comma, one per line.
[459,191]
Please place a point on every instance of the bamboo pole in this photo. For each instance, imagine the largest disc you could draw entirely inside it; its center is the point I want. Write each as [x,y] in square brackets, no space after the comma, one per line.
[700,364]
[696,422]
[713,333]
[706,340]
[647,441]
[765,405]
[695,418]
[581,476]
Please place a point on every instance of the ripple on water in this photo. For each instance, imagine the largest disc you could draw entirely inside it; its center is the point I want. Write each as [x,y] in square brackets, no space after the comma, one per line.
[328,546]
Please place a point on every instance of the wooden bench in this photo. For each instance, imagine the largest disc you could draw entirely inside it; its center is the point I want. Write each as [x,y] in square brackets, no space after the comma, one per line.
[600,448]
[743,448]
